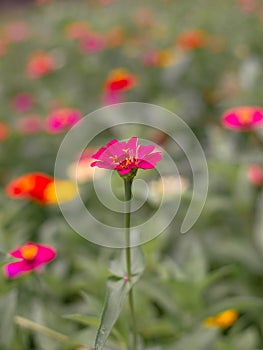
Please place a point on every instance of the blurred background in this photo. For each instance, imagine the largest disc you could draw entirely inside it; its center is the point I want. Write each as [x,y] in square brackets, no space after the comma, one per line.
[59,61]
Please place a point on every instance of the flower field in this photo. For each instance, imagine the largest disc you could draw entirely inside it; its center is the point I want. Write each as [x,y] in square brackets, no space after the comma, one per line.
[131,175]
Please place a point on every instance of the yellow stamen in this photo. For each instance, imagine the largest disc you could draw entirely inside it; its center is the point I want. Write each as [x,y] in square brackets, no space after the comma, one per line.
[29,251]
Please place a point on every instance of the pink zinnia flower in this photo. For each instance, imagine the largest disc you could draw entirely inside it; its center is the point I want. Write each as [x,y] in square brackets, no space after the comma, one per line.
[16,31]
[243,118]
[255,174]
[22,102]
[126,156]
[62,119]
[93,42]
[33,256]
[120,80]
[30,124]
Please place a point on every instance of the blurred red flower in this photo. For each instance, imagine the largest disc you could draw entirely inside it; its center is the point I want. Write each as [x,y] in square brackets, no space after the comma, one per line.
[191,39]
[243,118]
[41,188]
[255,174]
[62,119]
[32,256]
[77,30]
[39,64]
[120,80]
[92,42]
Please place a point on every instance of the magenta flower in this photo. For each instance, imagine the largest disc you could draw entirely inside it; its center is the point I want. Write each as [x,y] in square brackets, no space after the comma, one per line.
[126,156]
[62,119]
[33,256]
[244,118]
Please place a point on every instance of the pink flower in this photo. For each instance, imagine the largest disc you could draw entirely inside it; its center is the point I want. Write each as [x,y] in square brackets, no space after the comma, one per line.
[62,119]
[22,102]
[16,31]
[244,118]
[126,156]
[30,124]
[33,256]
[93,42]
[255,174]
[111,97]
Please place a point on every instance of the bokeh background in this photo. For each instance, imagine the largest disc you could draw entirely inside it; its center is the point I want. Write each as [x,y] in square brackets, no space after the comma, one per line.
[59,61]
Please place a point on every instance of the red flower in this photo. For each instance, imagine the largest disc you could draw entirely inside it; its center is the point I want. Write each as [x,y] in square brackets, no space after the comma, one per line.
[39,64]
[126,156]
[41,188]
[77,30]
[120,80]
[243,118]
[92,42]
[192,39]
[33,256]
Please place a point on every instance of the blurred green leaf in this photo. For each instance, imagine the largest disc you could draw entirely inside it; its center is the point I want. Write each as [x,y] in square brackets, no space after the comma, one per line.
[118,265]
[117,291]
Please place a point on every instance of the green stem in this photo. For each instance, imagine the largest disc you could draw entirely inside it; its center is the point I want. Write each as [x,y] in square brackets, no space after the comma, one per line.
[128,196]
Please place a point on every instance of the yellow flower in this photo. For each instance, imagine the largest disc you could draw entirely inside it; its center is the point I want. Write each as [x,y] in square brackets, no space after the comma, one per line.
[223,320]
[60,191]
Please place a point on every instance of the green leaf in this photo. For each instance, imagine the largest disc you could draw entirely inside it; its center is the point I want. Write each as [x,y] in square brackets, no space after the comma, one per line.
[198,340]
[8,304]
[117,291]
[118,265]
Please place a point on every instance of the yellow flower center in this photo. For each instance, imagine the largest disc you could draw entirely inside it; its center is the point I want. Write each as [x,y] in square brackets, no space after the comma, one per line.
[29,251]
[245,116]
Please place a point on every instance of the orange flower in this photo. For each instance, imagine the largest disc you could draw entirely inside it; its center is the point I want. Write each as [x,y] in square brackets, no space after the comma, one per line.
[223,320]
[41,188]
[192,39]
[120,80]
[40,63]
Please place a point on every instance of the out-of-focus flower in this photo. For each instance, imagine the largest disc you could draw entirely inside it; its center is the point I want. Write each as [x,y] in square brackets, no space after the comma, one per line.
[248,6]
[4,131]
[144,17]
[62,119]
[244,118]
[92,42]
[16,31]
[22,102]
[81,171]
[191,39]
[32,257]
[158,58]
[120,80]
[30,124]
[255,174]
[110,98]
[126,157]
[77,30]
[223,320]
[40,63]
[167,188]
[41,188]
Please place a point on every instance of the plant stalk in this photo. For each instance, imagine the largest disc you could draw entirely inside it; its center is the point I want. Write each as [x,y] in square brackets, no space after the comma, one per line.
[128,196]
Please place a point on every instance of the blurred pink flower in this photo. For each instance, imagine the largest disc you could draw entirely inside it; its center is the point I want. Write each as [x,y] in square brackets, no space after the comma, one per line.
[126,156]
[110,98]
[22,102]
[4,131]
[32,256]
[248,6]
[255,174]
[92,42]
[62,119]
[16,31]
[39,64]
[243,118]
[30,124]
